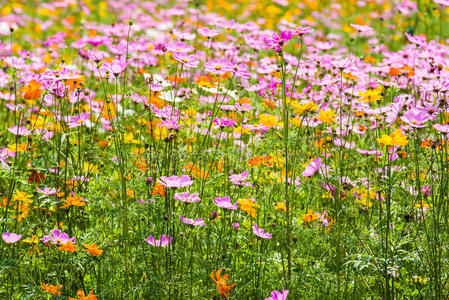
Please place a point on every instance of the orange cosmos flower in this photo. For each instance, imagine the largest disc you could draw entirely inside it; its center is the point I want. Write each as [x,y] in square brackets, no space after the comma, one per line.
[32,90]
[73,201]
[93,249]
[75,83]
[69,247]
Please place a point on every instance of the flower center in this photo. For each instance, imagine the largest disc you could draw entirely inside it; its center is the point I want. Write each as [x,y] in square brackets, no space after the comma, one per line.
[218,67]
[184,60]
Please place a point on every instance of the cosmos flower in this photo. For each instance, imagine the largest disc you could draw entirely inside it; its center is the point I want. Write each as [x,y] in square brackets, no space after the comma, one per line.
[261,232]
[224,122]
[218,67]
[164,241]
[47,191]
[277,41]
[207,32]
[57,237]
[276,295]
[11,238]
[397,138]
[20,131]
[312,168]
[179,47]
[197,222]
[187,60]
[240,70]
[442,2]
[415,118]
[78,120]
[225,202]
[175,181]
[187,197]
[300,31]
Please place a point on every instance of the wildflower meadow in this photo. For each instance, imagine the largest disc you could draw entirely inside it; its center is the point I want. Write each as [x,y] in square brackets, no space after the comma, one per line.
[208,149]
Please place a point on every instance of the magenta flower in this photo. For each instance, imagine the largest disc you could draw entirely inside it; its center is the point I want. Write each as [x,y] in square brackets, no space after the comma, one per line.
[225,202]
[300,31]
[224,122]
[186,197]
[426,190]
[261,232]
[11,238]
[186,60]
[219,67]
[415,118]
[277,41]
[20,131]
[57,237]
[78,120]
[171,124]
[276,295]
[197,222]
[175,181]
[236,225]
[164,241]
[180,47]
[208,33]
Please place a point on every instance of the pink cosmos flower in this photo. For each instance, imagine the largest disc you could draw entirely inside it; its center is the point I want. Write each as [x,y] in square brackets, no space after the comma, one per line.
[239,179]
[312,168]
[240,70]
[441,128]
[415,118]
[78,120]
[11,238]
[197,222]
[225,202]
[171,124]
[57,237]
[180,47]
[20,131]
[442,2]
[416,39]
[276,295]
[175,181]
[300,31]
[164,241]
[116,67]
[208,33]
[186,197]
[261,232]
[244,107]
[187,60]
[184,35]
[219,67]
[47,191]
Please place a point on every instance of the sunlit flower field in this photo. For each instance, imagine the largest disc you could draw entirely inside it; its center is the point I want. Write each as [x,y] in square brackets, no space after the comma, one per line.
[246,149]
